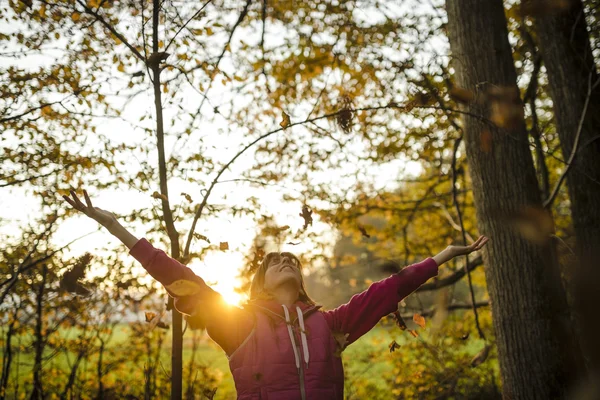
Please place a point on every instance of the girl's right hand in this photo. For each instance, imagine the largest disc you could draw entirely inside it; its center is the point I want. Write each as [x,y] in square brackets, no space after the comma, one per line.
[103,217]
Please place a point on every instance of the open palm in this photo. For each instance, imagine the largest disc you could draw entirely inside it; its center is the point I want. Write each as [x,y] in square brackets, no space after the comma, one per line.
[463,250]
[103,217]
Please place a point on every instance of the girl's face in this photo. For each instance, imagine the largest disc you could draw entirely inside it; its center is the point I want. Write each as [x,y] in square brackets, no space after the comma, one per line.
[282,269]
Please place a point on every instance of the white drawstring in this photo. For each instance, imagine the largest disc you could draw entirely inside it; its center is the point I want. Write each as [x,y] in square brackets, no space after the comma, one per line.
[303,335]
[288,322]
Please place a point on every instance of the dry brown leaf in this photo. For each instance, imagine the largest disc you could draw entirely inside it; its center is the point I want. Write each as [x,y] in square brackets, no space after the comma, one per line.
[506,108]
[201,237]
[187,197]
[352,282]
[363,231]
[393,346]
[534,224]
[345,114]
[399,320]
[539,8]
[461,95]
[419,320]
[306,214]
[157,195]
[149,316]
[481,356]
[342,341]
[286,120]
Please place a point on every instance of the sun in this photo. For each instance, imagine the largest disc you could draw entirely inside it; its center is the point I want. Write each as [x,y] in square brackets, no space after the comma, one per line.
[220,271]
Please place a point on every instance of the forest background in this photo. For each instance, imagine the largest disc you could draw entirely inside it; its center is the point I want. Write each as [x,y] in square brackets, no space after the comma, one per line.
[350,133]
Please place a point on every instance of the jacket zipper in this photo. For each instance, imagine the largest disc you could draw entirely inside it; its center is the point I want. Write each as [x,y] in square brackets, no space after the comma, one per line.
[301,374]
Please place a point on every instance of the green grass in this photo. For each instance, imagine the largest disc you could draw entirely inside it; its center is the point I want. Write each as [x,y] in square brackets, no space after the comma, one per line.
[367,362]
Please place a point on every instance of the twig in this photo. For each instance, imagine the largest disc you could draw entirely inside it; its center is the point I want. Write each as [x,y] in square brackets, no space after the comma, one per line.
[187,22]
[591,88]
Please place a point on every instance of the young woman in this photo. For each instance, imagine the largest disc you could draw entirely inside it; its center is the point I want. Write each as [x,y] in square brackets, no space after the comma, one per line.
[281,345]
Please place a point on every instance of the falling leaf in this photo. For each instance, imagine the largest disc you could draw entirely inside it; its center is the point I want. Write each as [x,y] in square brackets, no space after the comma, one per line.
[157,195]
[352,282]
[393,346]
[286,120]
[75,16]
[534,224]
[307,215]
[506,107]
[539,8]
[399,320]
[345,114]
[413,333]
[209,393]
[481,356]
[419,320]
[201,237]
[149,316]
[187,197]
[341,340]
[224,246]
[363,231]
[461,95]
[70,279]
[162,325]
[183,287]
[486,141]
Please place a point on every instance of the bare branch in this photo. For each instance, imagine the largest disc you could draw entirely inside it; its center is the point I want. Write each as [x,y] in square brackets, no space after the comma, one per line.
[591,88]
[452,307]
[111,29]
[187,22]
[450,279]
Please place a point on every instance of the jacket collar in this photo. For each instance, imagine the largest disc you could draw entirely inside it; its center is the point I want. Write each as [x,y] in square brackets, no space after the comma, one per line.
[274,309]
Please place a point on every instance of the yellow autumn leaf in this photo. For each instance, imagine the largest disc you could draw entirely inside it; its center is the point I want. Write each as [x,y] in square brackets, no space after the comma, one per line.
[183,287]
[121,68]
[223,246]
[75,16]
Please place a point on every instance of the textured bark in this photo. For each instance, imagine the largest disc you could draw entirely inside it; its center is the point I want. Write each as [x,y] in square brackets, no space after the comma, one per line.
[565,47]
[531,318]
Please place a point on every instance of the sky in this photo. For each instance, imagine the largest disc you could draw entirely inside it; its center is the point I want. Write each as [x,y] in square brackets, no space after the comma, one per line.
[219,268]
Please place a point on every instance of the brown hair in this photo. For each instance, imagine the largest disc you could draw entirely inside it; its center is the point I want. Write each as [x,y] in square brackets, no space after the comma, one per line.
[257,289]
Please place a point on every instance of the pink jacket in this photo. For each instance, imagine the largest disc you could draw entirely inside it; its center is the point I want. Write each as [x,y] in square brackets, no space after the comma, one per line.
[280,353]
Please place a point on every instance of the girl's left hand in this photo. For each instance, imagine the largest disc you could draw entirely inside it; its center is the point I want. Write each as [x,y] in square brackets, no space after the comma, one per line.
[464,250]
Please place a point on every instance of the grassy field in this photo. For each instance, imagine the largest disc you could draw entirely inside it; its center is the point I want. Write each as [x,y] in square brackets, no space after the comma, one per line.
[367,363]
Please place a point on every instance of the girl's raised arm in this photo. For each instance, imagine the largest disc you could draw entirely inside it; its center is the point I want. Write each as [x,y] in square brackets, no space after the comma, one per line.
[365,309]
[227,325]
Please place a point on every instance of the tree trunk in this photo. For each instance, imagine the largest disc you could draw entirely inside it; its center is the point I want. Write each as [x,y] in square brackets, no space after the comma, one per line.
[177,319]
[40,338]
[531,318]
[565,46]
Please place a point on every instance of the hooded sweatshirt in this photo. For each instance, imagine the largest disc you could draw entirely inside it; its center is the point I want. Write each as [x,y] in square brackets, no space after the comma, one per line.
[276,352]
